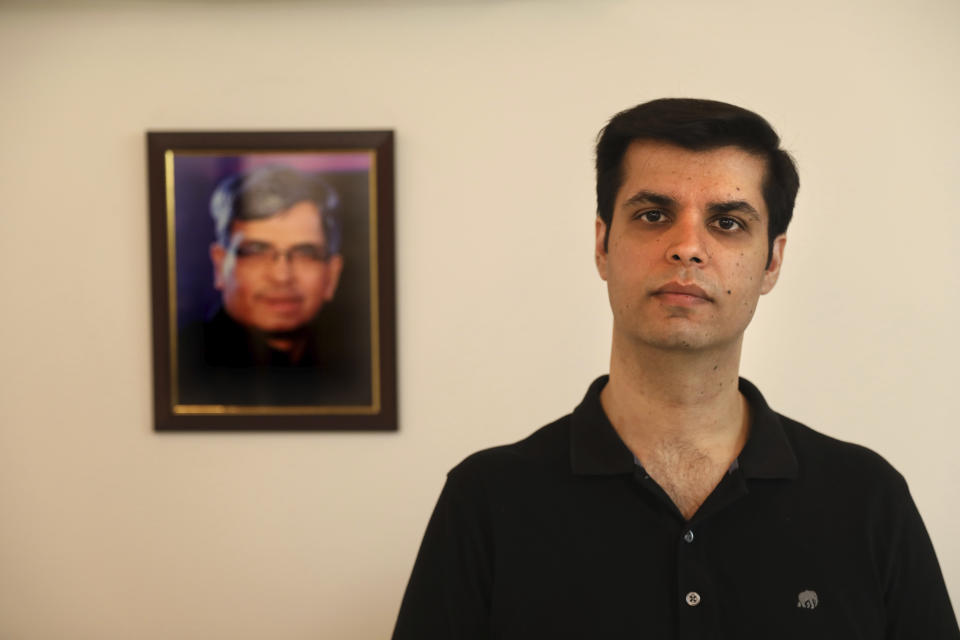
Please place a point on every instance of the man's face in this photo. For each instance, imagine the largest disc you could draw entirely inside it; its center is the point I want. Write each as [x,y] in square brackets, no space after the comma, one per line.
[687,255]
[275,275]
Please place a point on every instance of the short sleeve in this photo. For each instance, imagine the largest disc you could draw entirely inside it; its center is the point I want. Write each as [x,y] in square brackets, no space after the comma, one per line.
[917,603]
[448,596]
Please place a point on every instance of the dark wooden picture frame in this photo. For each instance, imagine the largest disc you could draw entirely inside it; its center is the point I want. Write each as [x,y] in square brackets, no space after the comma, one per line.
[272,274]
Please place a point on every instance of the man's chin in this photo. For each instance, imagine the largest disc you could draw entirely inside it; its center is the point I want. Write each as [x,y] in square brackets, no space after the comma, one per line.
[280,330]
[278,326]
[687,341]
[273,324]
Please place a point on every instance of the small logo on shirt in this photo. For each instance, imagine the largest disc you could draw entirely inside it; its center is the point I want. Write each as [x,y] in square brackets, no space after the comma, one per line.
[808,600]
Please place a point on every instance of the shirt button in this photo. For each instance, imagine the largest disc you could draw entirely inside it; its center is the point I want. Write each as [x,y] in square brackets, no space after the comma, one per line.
[688,536]
[693,598]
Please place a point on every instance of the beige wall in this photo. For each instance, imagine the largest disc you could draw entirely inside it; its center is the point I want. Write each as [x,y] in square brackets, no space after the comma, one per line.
[108,530]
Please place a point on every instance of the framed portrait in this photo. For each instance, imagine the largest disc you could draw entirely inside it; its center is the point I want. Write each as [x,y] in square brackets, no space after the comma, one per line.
[272,268]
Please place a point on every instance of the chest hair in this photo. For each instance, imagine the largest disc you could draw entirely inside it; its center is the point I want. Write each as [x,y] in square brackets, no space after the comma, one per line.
[685,473]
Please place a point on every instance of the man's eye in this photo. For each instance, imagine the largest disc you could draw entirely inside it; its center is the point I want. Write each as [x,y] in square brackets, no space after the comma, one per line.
[651,216]
[729,224]
[252,249]
[308,252]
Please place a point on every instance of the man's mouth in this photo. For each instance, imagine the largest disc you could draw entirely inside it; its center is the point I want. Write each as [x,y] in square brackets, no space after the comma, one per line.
[282,303]
[676,293]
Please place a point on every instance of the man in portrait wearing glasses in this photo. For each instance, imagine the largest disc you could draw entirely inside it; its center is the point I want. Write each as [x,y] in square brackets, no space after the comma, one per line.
[276,264]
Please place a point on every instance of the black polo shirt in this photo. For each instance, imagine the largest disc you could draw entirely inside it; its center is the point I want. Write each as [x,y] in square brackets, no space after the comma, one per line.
[562,535]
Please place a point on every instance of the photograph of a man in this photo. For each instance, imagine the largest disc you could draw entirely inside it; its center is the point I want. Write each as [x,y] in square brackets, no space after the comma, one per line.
[276,260]
[273,334]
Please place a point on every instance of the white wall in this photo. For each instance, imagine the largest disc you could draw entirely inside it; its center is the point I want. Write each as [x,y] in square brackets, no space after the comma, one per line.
[108,530]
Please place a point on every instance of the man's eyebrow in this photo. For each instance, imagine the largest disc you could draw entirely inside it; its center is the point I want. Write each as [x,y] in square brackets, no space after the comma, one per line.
[649,197]
[734,205]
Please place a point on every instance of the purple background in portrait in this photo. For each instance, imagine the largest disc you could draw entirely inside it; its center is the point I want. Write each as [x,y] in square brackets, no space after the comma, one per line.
[196,176]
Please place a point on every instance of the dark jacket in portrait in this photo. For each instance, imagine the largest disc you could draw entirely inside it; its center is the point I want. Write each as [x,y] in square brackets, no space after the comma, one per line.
[222,362]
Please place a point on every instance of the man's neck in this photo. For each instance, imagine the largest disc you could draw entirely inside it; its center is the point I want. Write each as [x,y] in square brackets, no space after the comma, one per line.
[659,396]
[292,344]
[681,414]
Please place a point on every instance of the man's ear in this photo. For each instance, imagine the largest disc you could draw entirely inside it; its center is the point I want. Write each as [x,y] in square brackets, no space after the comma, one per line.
[772,272]
[599,250]
[334,269]
[217,256]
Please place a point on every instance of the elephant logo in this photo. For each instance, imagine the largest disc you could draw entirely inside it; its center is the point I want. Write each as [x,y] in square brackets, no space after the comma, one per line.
[808,600]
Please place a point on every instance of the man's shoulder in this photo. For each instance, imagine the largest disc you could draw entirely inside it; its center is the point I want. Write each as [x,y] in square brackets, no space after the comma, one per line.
[545,451]
[829,458]
[215,341]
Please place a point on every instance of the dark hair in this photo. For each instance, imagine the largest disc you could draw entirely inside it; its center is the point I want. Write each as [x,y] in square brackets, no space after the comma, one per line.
[267,191]
[697,125]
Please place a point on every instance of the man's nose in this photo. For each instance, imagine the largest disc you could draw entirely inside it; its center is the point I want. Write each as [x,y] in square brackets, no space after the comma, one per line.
[282,267]
[687,245]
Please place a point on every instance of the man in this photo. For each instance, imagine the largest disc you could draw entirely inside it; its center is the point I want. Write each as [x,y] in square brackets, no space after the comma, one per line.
[276,262]
[673,502]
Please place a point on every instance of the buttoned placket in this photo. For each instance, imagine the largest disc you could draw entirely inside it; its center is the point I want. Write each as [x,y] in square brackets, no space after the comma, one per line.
[698,598]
